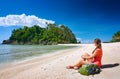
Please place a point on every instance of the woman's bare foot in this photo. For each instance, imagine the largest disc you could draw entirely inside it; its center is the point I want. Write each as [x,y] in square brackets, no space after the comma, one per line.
[69,67]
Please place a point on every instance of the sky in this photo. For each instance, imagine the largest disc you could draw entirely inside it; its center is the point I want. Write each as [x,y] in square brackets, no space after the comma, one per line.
[88,19]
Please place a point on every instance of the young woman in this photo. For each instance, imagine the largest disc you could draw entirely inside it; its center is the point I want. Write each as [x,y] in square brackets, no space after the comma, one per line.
[95,58]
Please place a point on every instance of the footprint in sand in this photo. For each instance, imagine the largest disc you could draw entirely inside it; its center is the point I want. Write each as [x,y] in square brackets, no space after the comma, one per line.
[61,59]
[43,68]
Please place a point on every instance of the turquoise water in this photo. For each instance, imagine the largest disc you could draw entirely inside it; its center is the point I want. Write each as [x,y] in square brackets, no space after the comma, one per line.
[11,53]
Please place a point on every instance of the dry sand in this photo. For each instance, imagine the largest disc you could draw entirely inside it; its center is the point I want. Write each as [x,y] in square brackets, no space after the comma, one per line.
[53,66]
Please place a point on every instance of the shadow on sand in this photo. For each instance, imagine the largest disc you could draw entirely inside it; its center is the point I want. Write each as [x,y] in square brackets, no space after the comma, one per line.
[110,65]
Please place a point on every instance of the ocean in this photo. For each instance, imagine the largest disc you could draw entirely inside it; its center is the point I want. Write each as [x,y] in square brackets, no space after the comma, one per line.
[13,53]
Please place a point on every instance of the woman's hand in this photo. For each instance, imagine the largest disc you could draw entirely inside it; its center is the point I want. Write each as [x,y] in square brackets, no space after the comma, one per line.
[85,57]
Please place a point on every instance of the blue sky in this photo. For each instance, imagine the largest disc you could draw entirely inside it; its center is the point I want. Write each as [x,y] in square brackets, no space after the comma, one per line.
[88,19]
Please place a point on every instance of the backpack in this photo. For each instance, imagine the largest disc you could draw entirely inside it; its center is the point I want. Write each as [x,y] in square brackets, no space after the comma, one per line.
[89,69]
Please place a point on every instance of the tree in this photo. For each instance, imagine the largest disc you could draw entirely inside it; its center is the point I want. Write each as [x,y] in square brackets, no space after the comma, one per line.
[116,37]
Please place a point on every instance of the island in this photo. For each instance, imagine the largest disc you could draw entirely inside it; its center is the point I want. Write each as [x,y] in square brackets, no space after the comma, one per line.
[51,35]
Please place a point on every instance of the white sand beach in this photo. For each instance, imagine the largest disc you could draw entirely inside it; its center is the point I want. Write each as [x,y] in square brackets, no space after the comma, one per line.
[54,66]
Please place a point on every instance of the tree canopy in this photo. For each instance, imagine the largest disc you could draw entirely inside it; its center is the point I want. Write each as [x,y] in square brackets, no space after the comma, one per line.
[52,34]
[116,37]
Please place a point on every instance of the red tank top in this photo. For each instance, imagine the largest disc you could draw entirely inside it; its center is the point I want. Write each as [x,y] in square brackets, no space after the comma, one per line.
[97,59]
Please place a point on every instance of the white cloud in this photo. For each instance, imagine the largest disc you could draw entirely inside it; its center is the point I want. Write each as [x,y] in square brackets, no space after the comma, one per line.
[23,20]
[79,39]
[84,40]
[87,41]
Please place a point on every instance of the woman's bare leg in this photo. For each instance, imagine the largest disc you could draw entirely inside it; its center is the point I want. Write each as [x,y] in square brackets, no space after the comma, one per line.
[81,62]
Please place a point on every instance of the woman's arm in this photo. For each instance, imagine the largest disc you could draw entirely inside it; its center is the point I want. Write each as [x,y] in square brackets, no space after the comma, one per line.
[91,56]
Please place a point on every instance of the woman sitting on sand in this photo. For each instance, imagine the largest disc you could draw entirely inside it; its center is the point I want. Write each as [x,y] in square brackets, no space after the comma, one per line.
[88,59]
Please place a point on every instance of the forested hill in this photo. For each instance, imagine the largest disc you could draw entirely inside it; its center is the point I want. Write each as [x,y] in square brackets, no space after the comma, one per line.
[52,34]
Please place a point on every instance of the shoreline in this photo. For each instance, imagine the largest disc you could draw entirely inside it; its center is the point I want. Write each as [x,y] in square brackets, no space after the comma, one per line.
[53,67]
[28,53]
[34,58]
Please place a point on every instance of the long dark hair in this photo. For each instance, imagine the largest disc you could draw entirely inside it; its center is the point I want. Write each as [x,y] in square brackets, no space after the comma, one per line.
[97,41]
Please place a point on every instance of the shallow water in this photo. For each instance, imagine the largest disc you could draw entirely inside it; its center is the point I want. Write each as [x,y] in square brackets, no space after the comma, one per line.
[11,53]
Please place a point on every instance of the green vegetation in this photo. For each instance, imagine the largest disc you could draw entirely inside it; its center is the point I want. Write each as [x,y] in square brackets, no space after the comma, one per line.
[52,34]
[116,37]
